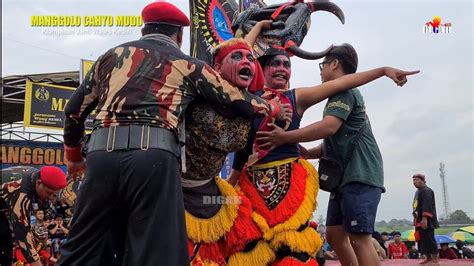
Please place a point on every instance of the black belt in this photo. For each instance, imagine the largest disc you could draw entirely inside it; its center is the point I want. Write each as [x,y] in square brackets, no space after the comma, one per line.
[133,137]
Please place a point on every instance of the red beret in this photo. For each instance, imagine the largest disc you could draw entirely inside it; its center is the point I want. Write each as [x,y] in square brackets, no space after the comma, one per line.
[420,176]
[313,224]
[164,12]
[53,177]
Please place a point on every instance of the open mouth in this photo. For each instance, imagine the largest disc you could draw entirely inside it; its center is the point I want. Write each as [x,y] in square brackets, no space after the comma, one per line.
[245,74]
[280,76]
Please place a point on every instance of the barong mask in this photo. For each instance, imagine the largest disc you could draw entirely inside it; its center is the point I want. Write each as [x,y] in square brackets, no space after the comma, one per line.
[292,22]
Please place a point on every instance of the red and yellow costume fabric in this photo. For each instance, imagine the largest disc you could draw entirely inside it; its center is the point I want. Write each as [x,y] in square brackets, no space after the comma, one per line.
[220,229]
[230,236]
[283,194]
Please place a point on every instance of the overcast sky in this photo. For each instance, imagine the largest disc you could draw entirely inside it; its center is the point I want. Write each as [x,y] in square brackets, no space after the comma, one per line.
[428,121]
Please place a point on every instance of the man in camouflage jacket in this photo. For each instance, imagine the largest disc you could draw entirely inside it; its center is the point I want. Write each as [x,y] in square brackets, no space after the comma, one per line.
[18,200]
[130,208]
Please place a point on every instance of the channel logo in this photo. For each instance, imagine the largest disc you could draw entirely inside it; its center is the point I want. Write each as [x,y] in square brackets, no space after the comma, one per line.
[435,26]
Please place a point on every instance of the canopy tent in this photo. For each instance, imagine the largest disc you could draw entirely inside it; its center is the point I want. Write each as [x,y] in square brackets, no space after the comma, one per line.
[13,91]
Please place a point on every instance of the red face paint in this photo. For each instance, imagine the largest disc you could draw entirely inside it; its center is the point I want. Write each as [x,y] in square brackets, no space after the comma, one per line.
[238,68]
[277,72]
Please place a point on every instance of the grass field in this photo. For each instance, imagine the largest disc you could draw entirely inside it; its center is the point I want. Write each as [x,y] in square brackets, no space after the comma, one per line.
[445,230]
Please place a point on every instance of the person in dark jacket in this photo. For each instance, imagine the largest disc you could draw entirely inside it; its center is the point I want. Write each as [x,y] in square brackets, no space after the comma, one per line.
[462,251]
[425,219]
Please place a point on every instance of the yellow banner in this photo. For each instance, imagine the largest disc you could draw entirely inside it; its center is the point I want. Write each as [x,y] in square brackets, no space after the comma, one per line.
[45,104]
[86,65]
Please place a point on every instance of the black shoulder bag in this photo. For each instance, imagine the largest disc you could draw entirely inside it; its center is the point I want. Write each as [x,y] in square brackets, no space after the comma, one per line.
[331,172]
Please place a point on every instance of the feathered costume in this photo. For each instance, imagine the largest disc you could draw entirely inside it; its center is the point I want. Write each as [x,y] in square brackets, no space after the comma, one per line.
[276,198]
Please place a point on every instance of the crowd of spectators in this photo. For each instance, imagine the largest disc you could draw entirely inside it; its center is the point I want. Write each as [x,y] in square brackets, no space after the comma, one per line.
[390,246]
[50,230]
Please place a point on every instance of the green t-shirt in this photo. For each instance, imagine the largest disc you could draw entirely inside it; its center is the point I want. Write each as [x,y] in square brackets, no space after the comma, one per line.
[365,165]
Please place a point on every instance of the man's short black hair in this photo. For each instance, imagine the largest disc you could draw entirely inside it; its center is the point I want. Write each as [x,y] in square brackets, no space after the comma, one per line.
[347,56]
[269,54]
[385,233]
[155,28]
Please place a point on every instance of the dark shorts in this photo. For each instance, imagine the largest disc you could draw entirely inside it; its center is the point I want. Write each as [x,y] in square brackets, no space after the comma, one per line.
[355,207]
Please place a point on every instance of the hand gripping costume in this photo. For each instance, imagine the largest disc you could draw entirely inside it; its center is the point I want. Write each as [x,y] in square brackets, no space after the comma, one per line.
[219,221]
[283,189]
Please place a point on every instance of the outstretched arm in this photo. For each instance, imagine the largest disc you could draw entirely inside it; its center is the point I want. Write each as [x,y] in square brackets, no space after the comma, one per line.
[318,130]
[252,36]
[309,96]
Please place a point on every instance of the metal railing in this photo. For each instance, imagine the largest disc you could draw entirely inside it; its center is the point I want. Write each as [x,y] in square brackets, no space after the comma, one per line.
[17,131]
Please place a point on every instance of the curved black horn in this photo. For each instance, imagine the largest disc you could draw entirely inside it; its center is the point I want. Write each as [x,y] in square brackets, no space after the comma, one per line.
[294,49]
[316,5]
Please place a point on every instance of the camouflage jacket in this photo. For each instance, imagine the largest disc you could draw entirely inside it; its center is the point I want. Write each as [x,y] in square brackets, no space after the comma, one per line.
[41,233]
[20,195]
[151,81]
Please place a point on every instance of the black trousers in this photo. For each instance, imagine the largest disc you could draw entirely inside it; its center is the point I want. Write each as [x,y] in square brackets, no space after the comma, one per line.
[427,244]
[129,211]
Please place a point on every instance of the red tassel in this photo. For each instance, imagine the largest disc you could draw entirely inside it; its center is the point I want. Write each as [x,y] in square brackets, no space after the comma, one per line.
[211,252]
[191,252]
[290,261]
[244,229]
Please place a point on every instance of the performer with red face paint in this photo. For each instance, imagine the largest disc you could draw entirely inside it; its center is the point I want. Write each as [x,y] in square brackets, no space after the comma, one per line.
[219,225]
[282,186]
